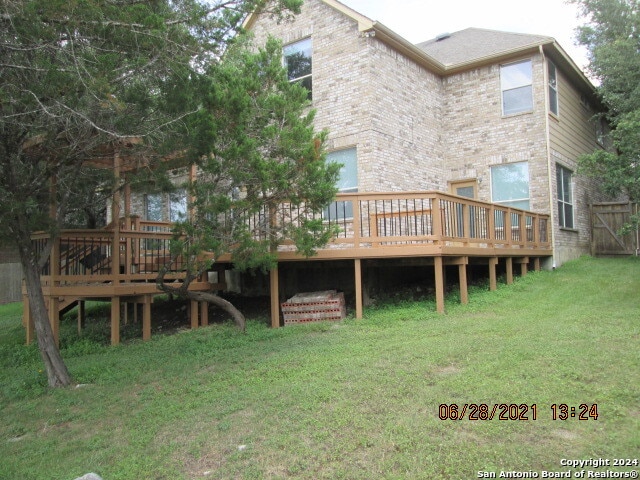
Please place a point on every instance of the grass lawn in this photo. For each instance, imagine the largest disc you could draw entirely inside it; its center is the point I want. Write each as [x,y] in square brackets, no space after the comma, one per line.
[352,400]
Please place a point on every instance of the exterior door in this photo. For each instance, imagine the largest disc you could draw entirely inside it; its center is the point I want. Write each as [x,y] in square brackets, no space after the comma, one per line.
[469,189]
[464,188]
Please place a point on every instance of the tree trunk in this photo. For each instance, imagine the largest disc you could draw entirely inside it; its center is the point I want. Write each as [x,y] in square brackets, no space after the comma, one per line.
[210,297]
[57,372]
[220,302]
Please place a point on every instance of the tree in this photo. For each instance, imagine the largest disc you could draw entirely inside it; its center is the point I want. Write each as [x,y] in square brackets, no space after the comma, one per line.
[81,79]
[612,36]
[263,176]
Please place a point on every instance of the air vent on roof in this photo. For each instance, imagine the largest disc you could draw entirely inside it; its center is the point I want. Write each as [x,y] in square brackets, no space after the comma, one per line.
[442,36]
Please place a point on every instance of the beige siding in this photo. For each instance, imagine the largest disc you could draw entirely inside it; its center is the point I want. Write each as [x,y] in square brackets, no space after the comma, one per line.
[571,134]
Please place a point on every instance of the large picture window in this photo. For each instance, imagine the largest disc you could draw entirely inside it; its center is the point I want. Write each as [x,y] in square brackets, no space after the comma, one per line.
[297,59]
[565,196]
[516,83]
[510,184]
[347,182]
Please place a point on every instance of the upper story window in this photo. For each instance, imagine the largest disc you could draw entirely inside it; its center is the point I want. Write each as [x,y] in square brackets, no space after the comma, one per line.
[601,131]
[553,88]
[297,59]
[516,83]
[565,196]
[510,185]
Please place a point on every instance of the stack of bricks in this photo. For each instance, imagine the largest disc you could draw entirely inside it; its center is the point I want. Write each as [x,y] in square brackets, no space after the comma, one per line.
[314,307]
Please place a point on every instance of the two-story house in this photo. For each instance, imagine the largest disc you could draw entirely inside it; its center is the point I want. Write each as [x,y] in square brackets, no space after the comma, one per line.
[458,153]
[500,117]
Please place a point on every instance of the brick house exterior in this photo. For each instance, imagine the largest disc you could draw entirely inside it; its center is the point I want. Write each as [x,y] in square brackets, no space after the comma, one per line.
[430,116]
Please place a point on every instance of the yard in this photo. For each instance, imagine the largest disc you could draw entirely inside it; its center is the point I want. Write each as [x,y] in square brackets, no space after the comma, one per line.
[358,399]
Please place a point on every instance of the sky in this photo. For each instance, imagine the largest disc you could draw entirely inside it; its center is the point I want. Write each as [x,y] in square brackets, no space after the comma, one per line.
[421,20]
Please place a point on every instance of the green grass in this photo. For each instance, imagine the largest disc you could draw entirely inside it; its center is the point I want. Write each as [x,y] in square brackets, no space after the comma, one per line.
[352,400]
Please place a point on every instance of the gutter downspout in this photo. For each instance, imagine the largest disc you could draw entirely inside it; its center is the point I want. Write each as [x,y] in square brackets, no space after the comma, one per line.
[552,210]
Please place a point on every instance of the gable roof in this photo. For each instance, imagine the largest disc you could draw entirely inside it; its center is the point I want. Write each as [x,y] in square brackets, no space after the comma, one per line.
[475,44]
[464,50]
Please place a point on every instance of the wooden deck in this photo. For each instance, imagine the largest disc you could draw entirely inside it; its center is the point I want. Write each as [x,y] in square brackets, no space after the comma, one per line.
[444,229]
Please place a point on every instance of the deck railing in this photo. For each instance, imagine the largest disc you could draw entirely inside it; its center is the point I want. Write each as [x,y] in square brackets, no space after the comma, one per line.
[365,221]
[428,218]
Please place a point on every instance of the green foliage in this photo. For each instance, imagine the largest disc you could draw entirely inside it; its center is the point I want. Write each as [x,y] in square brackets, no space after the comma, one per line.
[612,36]
[256,149]
[87,81]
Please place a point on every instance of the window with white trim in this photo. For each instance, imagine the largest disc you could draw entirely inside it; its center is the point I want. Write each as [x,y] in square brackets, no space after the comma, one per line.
[564,186]
[510,184]
[297,59]
[516,84]
[347,182]
[553,88]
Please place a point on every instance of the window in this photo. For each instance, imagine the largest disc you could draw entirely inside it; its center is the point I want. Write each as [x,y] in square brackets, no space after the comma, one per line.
[154,207]
[297,59]
[510,185]
[347,182]
[159,206]
[600,131]
[517,88]
[553,89]
[178,205]
[565,196]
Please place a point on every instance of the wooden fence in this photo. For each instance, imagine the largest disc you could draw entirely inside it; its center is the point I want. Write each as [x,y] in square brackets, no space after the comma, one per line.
[607,223]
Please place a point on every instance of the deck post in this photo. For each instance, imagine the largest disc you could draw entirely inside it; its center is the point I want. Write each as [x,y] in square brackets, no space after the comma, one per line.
[275,297]
[493,278]
[204,314]
[27,320]
[536,264]
[462,273]
[358,277]
[193,312]
[81,316]
[439,273]
[509,270]
[146,317]
[115,320]
[54,318]
[524,266]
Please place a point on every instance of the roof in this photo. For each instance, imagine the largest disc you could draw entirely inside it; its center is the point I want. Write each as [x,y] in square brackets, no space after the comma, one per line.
[463,50]
[475,44]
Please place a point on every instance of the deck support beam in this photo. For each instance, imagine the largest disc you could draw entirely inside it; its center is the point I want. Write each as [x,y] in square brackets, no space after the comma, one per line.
[493,277]
[54,318]
[274,288]
[358,278]
[27,320]
[439,274]
[204,314]
[464,292]
[81,316]
[194,308]
[115,320]
[524,265]
[509,261]
[146,317]
[536,264]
